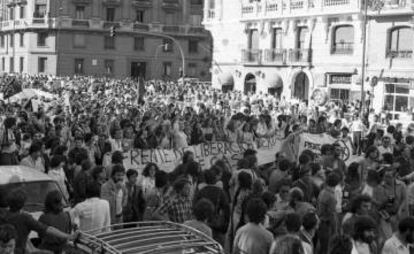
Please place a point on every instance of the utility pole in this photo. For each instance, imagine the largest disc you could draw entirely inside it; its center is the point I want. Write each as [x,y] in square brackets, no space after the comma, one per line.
[364,49]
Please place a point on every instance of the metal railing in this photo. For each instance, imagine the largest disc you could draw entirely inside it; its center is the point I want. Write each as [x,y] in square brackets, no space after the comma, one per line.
[251,55]
[275,56]
[336,2]
[343,49]
[300,55]
[404,54]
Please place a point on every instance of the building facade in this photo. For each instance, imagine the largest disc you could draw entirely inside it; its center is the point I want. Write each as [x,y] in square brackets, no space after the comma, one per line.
[313,49]
[119,38]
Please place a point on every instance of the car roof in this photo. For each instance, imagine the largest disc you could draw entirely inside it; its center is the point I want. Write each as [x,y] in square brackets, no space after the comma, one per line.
[149,237]
[18,174]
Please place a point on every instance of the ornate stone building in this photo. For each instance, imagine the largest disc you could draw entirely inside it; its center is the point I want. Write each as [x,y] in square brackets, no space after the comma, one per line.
[68,37]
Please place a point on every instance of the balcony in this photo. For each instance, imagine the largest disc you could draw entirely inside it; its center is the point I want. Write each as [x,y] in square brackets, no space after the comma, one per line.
[171,5]
[80,23]
[251,56]
[402,54]
[141,26]
[392,7]
[39,15]
[12,3]
[142,3]
[170,29]
[82,2]
[111,2]
[109,24]
[300,56]
[293,8]
[343,49]
[275,56]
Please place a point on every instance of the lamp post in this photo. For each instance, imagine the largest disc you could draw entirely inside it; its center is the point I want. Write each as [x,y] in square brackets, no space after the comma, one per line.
[364,49]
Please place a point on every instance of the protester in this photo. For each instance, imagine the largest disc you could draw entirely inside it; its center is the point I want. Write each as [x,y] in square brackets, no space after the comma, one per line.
[253,238]
[94,212]
[25,223]
[86,138]
[8,238]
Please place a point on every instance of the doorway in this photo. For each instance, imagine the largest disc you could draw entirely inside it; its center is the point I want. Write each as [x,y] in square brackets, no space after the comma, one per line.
[301,87]
[250,84]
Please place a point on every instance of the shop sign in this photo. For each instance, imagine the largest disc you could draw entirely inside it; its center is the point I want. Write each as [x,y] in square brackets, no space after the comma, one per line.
[340,79]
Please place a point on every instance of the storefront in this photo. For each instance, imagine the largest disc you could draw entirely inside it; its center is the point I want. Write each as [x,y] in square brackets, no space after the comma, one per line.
[339,86]
[398,97]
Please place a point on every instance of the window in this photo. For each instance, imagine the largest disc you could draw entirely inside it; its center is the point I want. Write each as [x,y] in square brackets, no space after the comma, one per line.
[11,13]
[400,42]
[109,42]
[80,12]
[168,45]
[170,18]
[140,16]
[2,41]
[343,40]
[166,67]
[41,39]
[22,12]
[195,20]
[11,65]
[11,40]
[193,46]
[3,63]
[21,64]
[109,66]
[301,40]
[110,14]
[196,2]
[79,66]
[139,43]
[192,69]
[277,36]
[253,39]
[397,98]
[212,4]
[79,41]
[21,39]
[40,11]
[42,61]
[340,94]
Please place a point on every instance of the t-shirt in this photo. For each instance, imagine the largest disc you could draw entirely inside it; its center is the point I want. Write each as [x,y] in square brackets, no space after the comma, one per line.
[253,239]
[24,224]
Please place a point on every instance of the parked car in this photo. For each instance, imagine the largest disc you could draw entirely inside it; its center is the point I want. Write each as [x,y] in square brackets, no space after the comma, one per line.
[148,237]
[35,183]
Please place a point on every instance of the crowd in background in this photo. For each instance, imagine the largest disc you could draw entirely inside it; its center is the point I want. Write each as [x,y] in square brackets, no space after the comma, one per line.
[309,204]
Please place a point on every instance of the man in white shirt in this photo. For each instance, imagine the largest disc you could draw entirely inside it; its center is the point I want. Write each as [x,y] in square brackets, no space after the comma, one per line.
[34,159]
[93,213]
[402,240]
[364,236]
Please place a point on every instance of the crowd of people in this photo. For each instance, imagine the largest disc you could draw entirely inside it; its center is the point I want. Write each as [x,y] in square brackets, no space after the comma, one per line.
[315,203]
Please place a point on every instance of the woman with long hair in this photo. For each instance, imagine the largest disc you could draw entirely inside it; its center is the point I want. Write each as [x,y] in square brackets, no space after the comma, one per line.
[148,180]
[54,216]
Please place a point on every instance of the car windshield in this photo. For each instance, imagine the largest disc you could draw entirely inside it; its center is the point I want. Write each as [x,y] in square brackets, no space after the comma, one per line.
[36,193]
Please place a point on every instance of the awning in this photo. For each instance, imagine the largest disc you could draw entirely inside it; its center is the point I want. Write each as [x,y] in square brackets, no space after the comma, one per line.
[274,81]
[226,79]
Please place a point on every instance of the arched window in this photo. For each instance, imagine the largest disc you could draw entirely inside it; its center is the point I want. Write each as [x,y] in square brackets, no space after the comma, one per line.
[400,43]
[343,40]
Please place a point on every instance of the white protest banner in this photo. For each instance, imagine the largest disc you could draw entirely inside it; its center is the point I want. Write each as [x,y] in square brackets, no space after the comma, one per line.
[314,142]
[205,154]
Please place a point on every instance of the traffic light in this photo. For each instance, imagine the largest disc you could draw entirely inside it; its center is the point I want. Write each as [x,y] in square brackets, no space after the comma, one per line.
[112,31]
